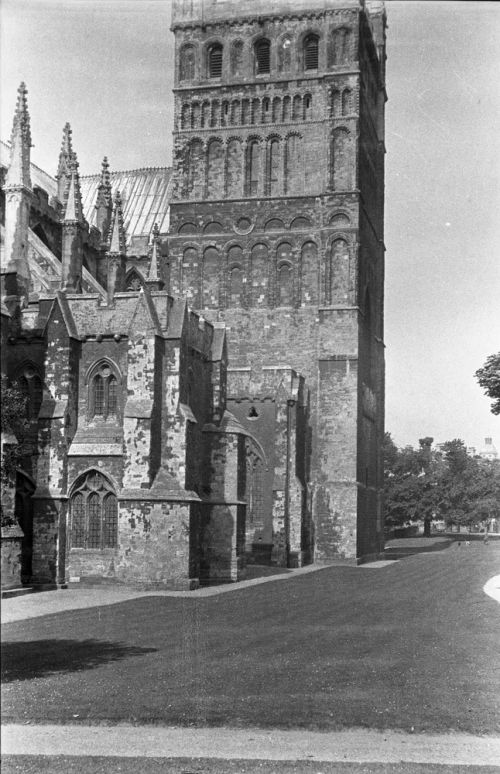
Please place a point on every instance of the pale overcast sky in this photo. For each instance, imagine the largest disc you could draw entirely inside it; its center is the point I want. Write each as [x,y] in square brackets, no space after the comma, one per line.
[106,67]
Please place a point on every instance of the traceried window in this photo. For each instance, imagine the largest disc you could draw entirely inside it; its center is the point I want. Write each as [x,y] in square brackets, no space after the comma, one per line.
[103,392]
[215,61]
[262,57]
[133,281]
[94,513]
[311,52]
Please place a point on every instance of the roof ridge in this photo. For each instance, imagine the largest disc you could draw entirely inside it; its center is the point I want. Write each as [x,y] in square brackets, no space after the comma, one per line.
[116,172]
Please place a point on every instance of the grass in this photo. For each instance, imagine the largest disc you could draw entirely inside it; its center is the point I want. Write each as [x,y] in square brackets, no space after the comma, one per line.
[68,765]
[410,646]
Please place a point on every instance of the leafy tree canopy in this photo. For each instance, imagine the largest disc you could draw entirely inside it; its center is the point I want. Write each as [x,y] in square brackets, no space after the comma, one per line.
[489,379]
[438,483]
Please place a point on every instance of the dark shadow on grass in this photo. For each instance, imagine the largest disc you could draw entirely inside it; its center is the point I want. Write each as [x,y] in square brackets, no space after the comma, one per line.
[40,658]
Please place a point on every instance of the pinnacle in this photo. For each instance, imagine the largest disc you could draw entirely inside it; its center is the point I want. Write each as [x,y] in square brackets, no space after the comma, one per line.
[153,267]
[104,187]
[21,115]
[117,244]
[66,141]
[19,167]
[73,211]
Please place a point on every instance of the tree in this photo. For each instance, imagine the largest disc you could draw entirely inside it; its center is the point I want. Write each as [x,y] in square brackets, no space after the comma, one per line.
[425,483]
[410,483]
[489,379]
[13,427]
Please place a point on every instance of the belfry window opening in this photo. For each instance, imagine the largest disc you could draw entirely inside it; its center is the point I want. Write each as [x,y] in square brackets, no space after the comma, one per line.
[215,61]
[262,57]
[311,52]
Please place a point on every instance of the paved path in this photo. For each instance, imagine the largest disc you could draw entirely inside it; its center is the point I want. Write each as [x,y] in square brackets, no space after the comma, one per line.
[75,598]
[355,745]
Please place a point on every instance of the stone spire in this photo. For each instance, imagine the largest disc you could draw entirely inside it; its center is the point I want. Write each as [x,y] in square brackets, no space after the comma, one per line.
[66,158]
[17,202]
[154,280]
[117,251]
[72,224]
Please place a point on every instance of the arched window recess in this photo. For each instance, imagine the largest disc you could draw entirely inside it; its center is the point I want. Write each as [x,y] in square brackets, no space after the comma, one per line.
[93,512]
[214,60]
[311,52]
[262,50]
[103,385]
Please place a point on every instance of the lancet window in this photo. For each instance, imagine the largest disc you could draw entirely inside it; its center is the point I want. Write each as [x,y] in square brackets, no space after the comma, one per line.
[103,392]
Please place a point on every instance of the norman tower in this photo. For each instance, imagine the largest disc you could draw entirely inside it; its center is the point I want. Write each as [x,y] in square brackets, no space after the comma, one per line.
[276,229]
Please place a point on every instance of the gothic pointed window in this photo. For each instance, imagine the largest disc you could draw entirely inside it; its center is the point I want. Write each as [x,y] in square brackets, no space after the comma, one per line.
[133,282]
[262,57]
[215,61]
[94,513]
[311,52]
[103,392]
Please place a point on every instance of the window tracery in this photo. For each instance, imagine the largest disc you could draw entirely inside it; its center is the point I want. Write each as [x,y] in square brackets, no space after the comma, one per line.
[94,513]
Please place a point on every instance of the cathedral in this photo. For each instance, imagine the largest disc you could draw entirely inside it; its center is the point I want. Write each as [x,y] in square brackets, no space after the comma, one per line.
[200,346]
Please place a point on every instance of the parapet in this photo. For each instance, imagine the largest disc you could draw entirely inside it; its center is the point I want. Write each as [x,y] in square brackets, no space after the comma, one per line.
[207,11]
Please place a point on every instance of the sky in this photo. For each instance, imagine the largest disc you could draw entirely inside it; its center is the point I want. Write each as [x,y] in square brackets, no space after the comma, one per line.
[106,67]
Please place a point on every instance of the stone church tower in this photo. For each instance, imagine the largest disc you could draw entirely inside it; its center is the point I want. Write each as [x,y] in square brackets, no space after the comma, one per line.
[276,229]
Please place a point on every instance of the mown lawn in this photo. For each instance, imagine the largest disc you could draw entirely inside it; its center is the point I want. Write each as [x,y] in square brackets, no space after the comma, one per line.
[414,645]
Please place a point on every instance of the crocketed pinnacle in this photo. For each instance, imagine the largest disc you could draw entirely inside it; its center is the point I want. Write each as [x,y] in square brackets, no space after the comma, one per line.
[19,168]
[66,157]
[104,198]
[73,211]
[117,242]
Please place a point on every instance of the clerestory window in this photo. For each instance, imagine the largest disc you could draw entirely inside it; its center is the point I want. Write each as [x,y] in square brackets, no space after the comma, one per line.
[103,393]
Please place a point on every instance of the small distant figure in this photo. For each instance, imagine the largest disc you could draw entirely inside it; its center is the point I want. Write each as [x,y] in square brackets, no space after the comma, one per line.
[485,538]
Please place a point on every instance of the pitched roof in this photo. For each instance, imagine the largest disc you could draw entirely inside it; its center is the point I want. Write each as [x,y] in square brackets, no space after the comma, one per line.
[145,196]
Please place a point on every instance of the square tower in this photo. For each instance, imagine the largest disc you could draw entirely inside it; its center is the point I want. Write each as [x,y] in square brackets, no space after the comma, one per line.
[276,223]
